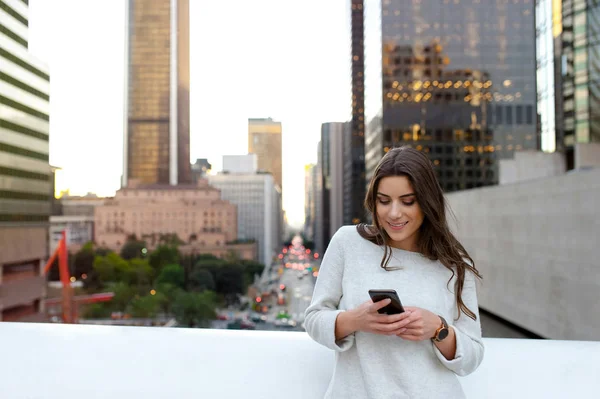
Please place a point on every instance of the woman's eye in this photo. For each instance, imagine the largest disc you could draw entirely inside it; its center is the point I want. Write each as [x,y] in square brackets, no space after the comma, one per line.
[383,202]
[409,203]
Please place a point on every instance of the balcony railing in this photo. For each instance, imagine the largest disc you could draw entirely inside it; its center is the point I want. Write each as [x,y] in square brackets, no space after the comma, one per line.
[53,361]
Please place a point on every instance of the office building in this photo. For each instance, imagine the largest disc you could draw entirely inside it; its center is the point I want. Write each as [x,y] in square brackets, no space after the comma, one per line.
[354,156]
[319,224]
[196,214]
[26,185]
[580,69]
[156,128]
[237,164]
[309,201]
[457,80]
[264,140]
[548,54]
[259,209]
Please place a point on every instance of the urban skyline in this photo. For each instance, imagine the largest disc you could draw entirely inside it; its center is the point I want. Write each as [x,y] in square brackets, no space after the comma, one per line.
[288,88]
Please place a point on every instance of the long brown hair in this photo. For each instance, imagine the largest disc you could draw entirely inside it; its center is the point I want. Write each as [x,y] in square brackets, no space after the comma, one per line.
[435,240]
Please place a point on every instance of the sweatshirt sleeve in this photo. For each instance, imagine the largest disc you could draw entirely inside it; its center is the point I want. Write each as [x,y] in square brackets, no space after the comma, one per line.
[469,345]
[323,311]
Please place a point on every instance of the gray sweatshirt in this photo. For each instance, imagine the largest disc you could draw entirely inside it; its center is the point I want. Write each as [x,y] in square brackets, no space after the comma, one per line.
[377,366]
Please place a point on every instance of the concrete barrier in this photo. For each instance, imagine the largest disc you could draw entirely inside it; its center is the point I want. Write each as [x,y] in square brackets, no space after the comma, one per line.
[53,361]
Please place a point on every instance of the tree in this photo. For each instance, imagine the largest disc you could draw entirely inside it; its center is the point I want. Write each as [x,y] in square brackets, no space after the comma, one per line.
[193,309]
[251,268]
[124,294]
[146,306]
[133,249]
[141,274]
[163,255]
[230,282]
[172,274]
[201,280]
[96,311]
[169,293]
[83,260]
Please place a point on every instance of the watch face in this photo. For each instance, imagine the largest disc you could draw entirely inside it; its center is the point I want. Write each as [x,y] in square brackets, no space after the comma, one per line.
[443,334]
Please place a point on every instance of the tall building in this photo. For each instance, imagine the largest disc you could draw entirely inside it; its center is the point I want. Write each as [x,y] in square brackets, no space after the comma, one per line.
[319,225]
[25,173]
[332,176]
[264,140]
[580,64]
[309,201]
[548,54]
[456,80]
[157,132]
[354,166]
[259,210]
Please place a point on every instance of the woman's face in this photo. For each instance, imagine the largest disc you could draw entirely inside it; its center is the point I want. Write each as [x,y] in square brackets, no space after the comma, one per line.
[398,212]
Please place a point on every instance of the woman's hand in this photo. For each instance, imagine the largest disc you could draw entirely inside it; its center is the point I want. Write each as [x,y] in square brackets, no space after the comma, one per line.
[421,324]
[366,319]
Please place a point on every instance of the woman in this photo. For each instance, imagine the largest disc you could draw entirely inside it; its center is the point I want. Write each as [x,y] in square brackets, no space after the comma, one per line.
[409,248]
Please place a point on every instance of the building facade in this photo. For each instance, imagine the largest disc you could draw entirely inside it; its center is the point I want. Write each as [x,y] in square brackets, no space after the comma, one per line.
[331,160]
[157,134]
[25,174]
[354,165]
[456,80]
[580,70]
[264,140]
[259,215]
[197,215]
[318,190]
[548,49]
[245,164]
[309,201]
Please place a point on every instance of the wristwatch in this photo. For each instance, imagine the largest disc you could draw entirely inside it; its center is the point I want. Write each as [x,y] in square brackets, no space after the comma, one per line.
[441,332]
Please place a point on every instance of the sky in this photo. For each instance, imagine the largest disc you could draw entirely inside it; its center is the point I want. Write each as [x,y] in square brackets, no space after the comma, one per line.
[249,59]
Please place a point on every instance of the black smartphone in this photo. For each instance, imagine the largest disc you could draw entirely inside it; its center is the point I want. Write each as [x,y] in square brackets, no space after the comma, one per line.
[393,307]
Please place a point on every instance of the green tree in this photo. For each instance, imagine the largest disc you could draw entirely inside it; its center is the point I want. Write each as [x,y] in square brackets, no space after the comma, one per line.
[169,293]
[97,311]
[201,280]
[194,309]
[230,282]
[146,306]
[83,261]
[172,274]
[133,249]
[163,255]
[124,294]
[251,268]
[141,273]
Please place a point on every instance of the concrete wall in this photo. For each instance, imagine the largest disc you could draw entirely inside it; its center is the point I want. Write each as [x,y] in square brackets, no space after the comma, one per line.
[530,165]
[60,361]
[587,155]
[537,243]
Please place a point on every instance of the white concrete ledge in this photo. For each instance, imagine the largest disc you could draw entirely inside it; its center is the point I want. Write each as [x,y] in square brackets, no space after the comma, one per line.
[53,361]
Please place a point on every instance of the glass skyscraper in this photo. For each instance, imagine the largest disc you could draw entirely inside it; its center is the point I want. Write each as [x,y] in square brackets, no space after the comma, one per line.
[455,79]
[580,69]
[157,132]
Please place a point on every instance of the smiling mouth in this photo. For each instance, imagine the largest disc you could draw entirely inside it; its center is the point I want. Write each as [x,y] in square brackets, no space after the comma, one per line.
[397,226]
